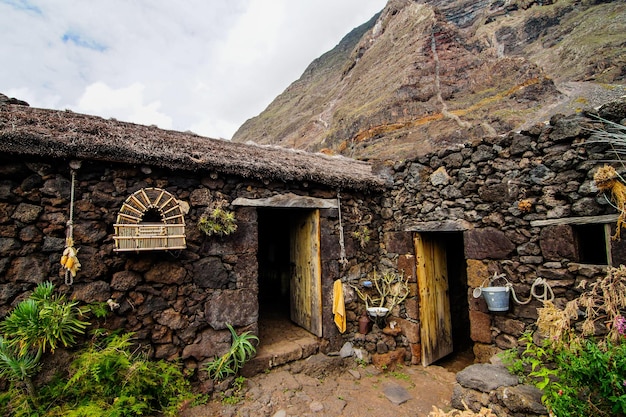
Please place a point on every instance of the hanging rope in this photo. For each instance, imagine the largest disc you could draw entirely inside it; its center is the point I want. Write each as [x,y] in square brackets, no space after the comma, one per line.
[533,292]
[342,247]
[69,259]
[546,295]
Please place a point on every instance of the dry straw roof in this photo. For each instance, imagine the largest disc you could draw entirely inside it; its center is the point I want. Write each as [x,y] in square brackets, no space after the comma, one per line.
[64,134]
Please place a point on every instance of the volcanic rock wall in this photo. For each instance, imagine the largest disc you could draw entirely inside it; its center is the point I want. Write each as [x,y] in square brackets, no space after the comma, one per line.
[524,205]
[176,302]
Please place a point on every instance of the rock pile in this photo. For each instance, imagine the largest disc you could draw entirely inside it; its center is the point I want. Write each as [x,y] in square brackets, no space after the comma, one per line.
[493,387]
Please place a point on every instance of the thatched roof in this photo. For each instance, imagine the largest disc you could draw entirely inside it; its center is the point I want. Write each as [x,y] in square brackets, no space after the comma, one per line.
[65,134]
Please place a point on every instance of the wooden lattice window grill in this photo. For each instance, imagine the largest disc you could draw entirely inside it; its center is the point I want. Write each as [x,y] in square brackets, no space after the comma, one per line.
[136,228]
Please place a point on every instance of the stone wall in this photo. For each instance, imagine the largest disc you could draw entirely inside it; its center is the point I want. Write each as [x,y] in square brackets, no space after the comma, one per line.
[176,302]
[512,199]
[508,198]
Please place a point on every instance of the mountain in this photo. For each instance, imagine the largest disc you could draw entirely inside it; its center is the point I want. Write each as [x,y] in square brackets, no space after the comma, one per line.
[424,75]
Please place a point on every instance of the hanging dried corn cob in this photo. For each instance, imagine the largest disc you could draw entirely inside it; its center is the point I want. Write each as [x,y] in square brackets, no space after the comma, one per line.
[69,259]
[608,180]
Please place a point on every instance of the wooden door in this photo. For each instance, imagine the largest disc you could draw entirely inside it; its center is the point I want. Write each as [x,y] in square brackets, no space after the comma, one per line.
[306,275]
[432,280]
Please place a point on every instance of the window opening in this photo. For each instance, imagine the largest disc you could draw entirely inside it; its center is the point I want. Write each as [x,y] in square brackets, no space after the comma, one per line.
[591,243]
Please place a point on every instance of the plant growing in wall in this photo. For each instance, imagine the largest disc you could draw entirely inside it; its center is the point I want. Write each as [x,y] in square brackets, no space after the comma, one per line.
[218,221]
[241,350]
[362,235]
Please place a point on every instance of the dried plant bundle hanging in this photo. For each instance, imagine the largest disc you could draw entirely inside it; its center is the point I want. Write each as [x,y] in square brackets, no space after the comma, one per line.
[608,180]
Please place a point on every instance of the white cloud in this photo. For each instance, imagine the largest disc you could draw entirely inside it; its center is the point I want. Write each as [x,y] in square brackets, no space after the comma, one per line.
[198,65]
[125,104]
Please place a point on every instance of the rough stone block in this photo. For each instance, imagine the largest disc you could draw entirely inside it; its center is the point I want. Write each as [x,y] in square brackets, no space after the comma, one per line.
[494,193]
[510,326]
[480,327]
[33,268]
[410,330]
[125,280]
[406,265]
[97,291]
[210,272]
[236,307]
[477,271]
[475,400]
[389,360]
[486,377]
[208,344]
[487,243]
[166,273]
[399,242]
[506,341]
[558,242]
[484,352]
[200,197]
[416,353]
[27,213]
[412,308]
[522,399]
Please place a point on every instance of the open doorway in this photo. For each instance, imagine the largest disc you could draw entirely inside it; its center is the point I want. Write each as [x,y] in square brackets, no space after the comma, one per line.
[274,263]
[444,306]
[289,268]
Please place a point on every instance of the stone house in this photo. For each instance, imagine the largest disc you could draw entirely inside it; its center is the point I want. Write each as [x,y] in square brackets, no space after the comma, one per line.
[128,186]
[523,205]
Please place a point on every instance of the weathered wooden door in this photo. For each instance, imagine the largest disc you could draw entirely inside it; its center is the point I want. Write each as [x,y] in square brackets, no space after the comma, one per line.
[432,280]
[306,275]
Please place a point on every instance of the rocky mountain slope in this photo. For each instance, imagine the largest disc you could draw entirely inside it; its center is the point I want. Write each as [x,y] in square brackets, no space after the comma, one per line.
[422,75]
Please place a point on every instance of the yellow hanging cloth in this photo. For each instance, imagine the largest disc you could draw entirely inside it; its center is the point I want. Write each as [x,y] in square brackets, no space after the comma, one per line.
[339,307]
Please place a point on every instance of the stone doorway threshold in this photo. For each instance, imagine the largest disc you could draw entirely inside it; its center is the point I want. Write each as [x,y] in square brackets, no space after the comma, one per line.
[281,342]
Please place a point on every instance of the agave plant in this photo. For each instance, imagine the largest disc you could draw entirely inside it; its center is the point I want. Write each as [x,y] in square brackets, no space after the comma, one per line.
[241,350]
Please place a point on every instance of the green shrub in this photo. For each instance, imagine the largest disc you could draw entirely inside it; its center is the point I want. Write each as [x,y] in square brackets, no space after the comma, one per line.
[581,378]
[580,374]
[43,321]
[39,323]
[110,378]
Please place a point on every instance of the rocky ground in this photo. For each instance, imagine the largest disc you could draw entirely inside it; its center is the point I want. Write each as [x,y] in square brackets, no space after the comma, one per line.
[330,386]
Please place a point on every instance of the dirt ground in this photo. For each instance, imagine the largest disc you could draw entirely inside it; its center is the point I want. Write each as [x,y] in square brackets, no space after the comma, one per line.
[335,387]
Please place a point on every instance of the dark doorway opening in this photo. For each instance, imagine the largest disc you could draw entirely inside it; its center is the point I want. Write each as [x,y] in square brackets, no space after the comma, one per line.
[457,281]
[274,263]
[282,338]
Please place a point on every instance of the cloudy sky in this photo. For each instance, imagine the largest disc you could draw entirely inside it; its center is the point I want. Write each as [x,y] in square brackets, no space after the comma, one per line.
[199,65]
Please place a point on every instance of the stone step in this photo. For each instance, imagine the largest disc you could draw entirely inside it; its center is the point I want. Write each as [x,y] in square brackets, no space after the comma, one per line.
[280,353]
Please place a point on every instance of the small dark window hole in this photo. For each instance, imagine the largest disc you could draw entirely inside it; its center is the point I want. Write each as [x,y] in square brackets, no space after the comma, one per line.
[591,243]
[152,216]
